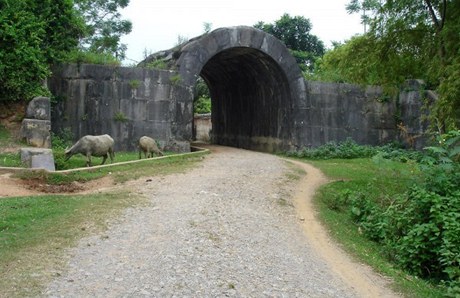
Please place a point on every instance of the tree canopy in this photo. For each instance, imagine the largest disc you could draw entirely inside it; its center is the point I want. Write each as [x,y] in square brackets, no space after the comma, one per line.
[37,33]
[33,34]
[104,26]
[295,33]
[406,39]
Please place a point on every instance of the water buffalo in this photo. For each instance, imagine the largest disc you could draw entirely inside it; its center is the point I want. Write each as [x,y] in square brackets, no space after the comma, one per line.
[93,146]
[148,146]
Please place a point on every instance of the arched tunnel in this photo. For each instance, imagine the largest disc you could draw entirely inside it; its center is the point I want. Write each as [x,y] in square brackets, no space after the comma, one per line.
[254,83]
[250,99]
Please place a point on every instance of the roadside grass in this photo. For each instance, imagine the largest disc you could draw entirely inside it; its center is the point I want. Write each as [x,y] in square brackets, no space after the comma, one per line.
[378,179]
[79,161]
[35,231]
[13,159]
[119,172]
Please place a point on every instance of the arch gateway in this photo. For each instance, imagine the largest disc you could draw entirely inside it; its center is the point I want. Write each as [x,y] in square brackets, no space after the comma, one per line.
[260,100]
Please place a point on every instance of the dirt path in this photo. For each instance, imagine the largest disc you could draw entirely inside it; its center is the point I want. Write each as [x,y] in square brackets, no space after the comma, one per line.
[360,277]
[238,225]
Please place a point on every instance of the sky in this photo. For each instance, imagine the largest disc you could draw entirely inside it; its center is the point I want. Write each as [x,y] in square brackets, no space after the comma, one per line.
[158,24]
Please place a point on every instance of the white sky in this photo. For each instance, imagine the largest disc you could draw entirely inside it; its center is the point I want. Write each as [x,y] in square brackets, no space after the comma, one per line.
[157,24]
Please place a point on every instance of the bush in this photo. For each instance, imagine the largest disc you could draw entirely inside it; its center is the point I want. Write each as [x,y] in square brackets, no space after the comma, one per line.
[60,142]
[421,228]
[347,149]
[350,149]
[79,56]
[202,105]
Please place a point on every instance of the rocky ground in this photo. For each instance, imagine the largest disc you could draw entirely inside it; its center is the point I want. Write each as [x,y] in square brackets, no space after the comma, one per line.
[238,225]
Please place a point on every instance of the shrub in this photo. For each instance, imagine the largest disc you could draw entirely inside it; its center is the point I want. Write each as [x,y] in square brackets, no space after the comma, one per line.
[202,105]
[157,64]
[120,117]
[421,227]
[350,149]
[59,143]
[347,149]
[79,56]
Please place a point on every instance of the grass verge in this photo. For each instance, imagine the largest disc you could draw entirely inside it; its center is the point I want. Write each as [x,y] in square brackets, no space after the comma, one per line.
[378,179]
[119,172]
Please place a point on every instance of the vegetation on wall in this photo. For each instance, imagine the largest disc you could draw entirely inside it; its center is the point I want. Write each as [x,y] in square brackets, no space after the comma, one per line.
[120,117]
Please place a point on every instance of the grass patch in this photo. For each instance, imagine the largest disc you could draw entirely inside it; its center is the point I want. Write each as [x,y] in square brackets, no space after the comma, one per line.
[79,160]
[10,160]
[377,179]
[119,172]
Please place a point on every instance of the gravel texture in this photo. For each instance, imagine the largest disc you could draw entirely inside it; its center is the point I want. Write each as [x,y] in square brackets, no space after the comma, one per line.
[227,228]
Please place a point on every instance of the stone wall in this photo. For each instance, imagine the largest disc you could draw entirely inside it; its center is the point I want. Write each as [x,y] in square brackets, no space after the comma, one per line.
[413,103]
[128,103]
[202,127]
[123,102]
[335,112]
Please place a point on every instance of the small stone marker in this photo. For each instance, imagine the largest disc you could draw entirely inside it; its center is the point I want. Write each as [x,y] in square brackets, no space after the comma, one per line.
[36,126]
[38,158]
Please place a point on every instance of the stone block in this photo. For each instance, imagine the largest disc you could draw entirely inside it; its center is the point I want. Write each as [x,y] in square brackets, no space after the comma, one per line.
[38,158]
[36,132]
[43,161]
[39,108]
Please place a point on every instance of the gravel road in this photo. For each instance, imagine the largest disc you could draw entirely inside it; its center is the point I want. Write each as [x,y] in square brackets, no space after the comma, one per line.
[227,228]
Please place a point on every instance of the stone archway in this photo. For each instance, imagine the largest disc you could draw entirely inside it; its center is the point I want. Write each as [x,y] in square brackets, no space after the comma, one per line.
[254,83]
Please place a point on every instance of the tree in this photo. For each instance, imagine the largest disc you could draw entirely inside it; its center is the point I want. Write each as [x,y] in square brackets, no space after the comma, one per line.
[295,33]
[104,26]
[406,39]
[33,35]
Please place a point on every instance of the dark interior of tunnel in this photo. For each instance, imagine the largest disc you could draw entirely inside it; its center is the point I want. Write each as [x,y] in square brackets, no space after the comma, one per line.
[251,100]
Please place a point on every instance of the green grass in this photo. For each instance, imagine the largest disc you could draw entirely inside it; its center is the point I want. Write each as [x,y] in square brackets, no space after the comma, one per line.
[4,135]
[10,160]
[79,161]
[377,179]
[119,172]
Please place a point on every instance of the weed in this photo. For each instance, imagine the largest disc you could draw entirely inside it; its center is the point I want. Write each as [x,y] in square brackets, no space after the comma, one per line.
[134,84]
[157,64]
[175,79]
[120,117]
